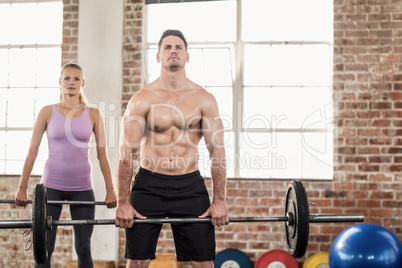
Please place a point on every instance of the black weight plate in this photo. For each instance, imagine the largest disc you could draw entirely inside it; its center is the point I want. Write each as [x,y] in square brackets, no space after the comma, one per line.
[39,223]
[297,233]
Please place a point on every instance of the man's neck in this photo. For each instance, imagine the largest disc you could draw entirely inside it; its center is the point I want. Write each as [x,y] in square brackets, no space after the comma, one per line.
[173,80]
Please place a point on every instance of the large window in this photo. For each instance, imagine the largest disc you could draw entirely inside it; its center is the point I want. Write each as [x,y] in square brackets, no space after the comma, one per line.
[269,65]
[30,58]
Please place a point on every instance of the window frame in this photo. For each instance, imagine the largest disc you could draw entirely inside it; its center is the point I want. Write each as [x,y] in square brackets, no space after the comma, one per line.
[35,87]
[237,48]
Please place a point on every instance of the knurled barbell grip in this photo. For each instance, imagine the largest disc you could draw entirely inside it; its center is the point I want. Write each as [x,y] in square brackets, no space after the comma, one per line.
[7,224]
[168,220]
[315,218]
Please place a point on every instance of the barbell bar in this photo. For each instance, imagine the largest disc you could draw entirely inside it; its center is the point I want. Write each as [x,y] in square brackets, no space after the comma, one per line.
[296,218]
[315,218]
[58,202]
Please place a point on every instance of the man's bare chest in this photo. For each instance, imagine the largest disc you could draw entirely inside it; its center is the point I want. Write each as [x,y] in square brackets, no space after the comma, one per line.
[182,113]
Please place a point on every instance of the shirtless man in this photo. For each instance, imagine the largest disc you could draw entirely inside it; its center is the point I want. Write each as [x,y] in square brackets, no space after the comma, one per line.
[161,129]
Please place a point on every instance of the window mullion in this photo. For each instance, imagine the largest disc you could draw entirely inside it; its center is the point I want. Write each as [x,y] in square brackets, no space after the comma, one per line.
[238,91]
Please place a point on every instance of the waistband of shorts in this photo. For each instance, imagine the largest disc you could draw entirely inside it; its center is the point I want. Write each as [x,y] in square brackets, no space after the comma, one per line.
[143,171]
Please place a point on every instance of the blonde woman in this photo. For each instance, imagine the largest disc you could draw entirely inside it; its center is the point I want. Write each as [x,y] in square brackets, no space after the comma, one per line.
[69,125]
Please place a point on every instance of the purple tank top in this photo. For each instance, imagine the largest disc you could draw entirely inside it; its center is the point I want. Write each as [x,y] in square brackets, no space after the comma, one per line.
[67,167]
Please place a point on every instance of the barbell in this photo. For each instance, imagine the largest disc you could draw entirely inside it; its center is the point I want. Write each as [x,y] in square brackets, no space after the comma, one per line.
[58,202]
[297,219]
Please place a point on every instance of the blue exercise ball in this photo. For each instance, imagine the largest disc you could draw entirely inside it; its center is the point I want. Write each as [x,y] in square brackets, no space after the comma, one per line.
[366,245]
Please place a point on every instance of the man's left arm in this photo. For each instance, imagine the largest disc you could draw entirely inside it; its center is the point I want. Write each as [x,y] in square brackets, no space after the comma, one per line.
[212,129]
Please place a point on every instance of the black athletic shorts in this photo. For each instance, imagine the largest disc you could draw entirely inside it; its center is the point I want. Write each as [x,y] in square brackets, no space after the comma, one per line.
[157,195]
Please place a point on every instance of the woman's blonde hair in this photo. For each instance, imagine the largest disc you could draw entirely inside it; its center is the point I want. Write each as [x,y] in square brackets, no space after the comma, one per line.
[82,98]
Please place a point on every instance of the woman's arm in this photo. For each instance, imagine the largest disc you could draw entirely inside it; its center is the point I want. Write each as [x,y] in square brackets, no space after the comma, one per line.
[100,137]
[21,196]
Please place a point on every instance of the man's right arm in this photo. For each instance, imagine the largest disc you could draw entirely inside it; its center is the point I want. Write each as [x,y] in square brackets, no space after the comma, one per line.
[132,129]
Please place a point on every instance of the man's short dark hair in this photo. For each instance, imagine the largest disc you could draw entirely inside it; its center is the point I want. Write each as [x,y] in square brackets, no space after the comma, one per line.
[174,33]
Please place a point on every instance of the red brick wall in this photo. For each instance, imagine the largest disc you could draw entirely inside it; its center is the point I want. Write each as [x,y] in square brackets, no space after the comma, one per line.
[367,75]
[132,49]
[367,85]
[70,31]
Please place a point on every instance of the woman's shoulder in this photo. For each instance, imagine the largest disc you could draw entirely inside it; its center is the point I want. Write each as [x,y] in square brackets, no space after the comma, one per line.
[93,113]
[47,109]
[44,114]
[93,110]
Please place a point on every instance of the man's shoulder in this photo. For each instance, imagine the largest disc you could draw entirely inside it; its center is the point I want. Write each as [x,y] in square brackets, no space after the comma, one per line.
[205,98]
[199,90]
[139,101]
[204,94]
[143,94]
